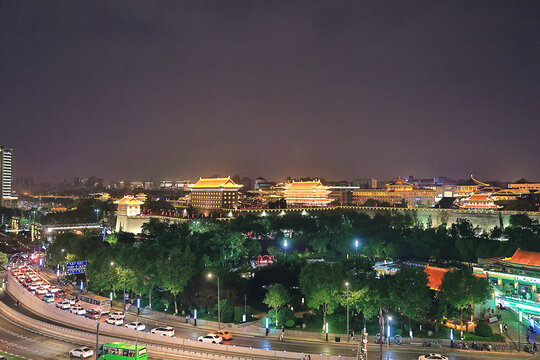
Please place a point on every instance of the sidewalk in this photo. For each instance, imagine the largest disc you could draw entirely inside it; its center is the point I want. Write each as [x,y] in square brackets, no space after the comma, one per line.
[511,319]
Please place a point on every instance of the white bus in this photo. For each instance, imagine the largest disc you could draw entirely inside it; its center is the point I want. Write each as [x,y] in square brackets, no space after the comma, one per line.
[94,302]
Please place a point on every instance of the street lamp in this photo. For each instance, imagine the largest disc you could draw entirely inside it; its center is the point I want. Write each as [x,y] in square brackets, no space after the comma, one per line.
[210,275]
[356,245]
[97,214]
[285,244]
[348,333]
[389,319]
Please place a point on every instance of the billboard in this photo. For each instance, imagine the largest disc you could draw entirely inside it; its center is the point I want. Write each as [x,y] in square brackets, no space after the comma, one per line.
[76,267]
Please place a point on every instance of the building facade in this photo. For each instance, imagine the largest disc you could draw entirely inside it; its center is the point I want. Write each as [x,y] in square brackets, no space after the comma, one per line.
[6,196]
[524,186]
[395,193]
[468,187]
[214,194]
[307,194]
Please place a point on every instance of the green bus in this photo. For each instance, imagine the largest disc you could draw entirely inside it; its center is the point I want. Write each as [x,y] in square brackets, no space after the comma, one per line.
[121,351]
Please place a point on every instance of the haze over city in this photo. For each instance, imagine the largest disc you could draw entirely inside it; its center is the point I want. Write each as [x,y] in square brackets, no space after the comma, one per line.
[184,89]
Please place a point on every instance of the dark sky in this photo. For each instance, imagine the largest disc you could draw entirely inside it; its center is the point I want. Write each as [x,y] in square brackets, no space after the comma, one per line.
[337,89]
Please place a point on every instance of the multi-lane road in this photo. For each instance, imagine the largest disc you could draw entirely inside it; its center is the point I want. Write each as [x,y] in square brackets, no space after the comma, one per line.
[24,342]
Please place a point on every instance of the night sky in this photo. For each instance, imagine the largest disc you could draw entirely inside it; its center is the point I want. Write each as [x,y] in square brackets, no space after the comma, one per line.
[336,89]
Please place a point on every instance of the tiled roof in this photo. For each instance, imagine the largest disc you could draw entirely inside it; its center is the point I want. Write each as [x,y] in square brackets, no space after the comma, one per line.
[526,258]
[129,200]
[215,183]
[435,276]
[305,185]
[472,182]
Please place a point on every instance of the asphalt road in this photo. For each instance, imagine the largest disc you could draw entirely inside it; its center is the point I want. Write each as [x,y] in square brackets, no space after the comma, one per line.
[313,346]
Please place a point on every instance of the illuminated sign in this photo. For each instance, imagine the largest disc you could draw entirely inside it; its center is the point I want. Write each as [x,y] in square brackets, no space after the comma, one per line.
[76,267]
[528,279]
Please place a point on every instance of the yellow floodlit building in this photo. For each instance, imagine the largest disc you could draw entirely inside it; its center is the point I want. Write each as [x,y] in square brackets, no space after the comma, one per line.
[467,188]
[214,193]
[307,193]
[129,206]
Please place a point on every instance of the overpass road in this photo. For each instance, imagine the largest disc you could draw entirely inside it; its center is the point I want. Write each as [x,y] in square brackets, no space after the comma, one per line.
[35,345]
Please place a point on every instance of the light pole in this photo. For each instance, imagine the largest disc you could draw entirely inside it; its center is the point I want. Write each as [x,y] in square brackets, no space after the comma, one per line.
[348,332]
[210,275]
[389,318]
[356,245]
[97,214]
[285,244]
[519,330]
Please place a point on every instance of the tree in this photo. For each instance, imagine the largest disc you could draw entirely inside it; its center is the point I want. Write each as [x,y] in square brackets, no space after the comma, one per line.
[3,259]
[276,296]
[321,283]
[462,289]
[174,272]
[409,292]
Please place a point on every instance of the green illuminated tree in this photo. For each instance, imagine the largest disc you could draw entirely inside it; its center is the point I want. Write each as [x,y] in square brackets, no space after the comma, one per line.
[276,296]
[321,283]
[462,289]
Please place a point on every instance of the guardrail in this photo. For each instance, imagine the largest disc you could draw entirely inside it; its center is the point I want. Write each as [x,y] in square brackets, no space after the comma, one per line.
[152,341]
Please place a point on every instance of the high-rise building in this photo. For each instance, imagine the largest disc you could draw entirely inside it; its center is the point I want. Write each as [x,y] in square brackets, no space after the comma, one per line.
[6,197]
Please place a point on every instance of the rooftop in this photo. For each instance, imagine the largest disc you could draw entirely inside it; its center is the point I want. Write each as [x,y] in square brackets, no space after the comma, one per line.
[215,183]
[523,258]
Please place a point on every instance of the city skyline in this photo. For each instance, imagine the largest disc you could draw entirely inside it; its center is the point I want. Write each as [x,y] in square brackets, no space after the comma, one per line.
[193,89]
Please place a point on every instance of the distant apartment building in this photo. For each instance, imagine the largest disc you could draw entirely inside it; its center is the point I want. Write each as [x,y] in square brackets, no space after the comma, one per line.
[307,194]
[342,195]
[395,193]
[262,183]
[136,184]
[148,184]
[91,182]
[174,184]
[6,195]
[365,183]
[214,193]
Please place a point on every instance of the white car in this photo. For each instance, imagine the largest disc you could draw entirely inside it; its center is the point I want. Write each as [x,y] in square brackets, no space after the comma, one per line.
[114,320]
[433,357]
[138,326]
[71,300]
[54,290]
[64,305]
[77,310]
[163,331]
[120,314]
[82,352]
[33,287]
[45,285]
[41,291]
[214,339]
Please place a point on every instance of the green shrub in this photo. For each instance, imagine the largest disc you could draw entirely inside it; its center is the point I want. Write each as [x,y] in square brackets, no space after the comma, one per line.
[483,329]
[227,311]
[238,312]
[284,314]
[289,323]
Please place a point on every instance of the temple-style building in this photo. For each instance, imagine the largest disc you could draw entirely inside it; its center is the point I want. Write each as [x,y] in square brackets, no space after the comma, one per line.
[307,194]
[524,186]
[397,191]
[128,214]
[469,187]
[479,201]
[214,194]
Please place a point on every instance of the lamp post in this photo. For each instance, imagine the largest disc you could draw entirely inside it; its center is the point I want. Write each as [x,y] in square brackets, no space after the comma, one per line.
[285,244]
[519,330]
[356,245]
[210,275]
[326,331]
[97,214]
[348,332]
[389,318]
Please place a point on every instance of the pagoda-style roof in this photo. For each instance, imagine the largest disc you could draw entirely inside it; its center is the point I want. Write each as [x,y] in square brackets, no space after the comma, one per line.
[522,181]
[398,181]
[506,192]
[305,185]
[435,276]
[217,183]
[523,258]
[473,182]
[129,200]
